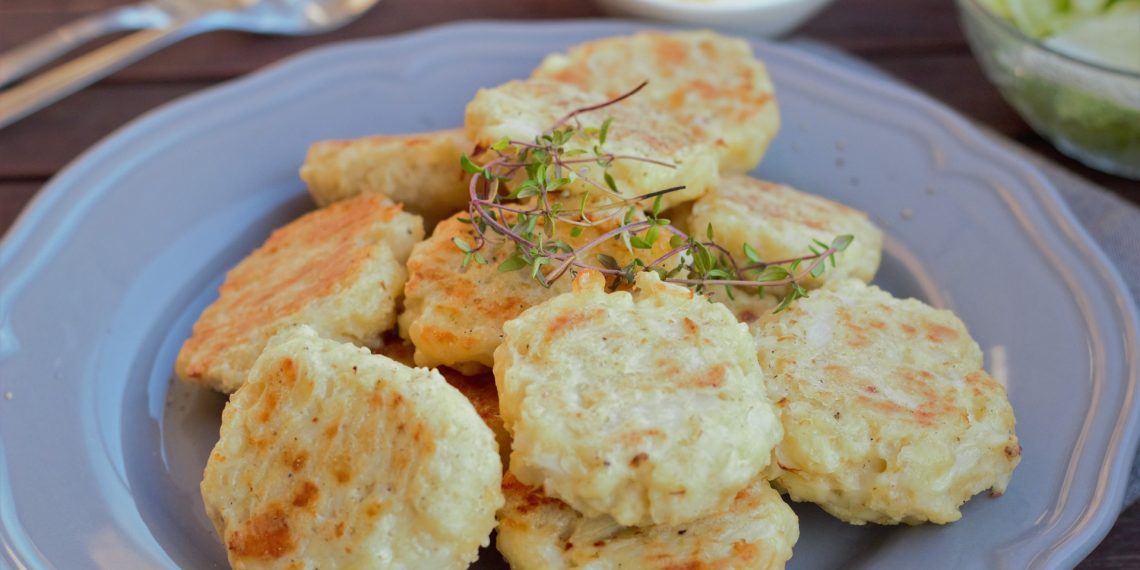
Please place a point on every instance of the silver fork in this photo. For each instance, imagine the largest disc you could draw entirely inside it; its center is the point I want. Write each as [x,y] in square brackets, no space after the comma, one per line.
[163,22]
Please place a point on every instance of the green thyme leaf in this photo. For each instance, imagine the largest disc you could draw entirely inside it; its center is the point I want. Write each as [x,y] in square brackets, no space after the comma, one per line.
[512,263]
[608,261]
[626,241]
[610,181]
[501,144]
[773,273]
[557,183]
[840,243]
[797,292]
[651,235]
[461,244]
[751,254]
[469,166]
[536,266]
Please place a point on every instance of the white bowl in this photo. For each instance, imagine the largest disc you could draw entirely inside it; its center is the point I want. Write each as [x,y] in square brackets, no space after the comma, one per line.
[767,18]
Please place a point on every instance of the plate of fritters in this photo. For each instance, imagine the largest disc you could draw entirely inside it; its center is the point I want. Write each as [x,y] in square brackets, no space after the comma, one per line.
[584,295]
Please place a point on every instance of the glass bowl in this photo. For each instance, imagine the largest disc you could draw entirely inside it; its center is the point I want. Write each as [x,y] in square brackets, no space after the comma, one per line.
[1088,111]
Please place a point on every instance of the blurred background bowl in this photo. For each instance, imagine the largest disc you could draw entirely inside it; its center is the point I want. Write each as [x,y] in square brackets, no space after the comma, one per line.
[1088,111]
[768,18]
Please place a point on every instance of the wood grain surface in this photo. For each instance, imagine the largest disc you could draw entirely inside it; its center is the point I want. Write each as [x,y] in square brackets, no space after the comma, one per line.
[918,41]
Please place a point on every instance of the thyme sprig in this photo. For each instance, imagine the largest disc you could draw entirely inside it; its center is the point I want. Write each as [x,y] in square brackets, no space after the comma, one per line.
[521,191]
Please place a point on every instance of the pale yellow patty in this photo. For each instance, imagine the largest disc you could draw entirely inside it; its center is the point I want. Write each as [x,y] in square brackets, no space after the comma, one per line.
[522,110]
[756,532]
[780,222]
[711,84]
[421,171]
[649,408]
[331,457]
[455,316]
[339,269]
[888,416]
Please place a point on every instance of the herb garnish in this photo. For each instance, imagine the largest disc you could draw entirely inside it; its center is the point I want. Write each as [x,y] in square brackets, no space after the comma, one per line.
[520,195]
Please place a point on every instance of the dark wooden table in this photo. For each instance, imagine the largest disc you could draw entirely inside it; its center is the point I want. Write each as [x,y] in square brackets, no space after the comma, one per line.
[917,40]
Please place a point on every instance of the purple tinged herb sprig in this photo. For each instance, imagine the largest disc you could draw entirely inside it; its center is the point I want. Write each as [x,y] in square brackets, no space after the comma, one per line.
[520,195]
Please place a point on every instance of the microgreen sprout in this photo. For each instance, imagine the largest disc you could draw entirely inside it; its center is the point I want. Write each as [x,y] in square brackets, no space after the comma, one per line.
[520,194]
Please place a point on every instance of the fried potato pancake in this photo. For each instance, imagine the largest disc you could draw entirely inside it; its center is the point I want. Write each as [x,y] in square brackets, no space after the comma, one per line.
[649,408]
[331,457]
[455,316]
[522,110]
[780,222]
[888,415]
[536,532]
[339,269]
[710,84]
[420,171]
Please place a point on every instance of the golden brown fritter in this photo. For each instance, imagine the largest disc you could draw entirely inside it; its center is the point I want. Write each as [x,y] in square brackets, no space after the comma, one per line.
[649,408]
[756,532]
[331,457]
[420,171]
[522,110]
[780,222]
[455,316]
[339,269]
[712,85]
[888,415]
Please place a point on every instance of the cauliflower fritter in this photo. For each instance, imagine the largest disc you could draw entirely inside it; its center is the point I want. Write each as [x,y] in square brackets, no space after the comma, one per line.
[708,83]
[650,408]
[780,222]
[421,171]
[455,316]
[331,457]
[339,269]
[888,415]
[522,110]
[756,532]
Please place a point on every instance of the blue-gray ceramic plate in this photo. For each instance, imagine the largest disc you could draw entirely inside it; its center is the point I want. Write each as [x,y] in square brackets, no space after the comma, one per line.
[103,275]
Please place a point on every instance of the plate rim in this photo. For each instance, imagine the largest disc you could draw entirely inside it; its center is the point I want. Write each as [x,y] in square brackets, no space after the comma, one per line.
[1112,478]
